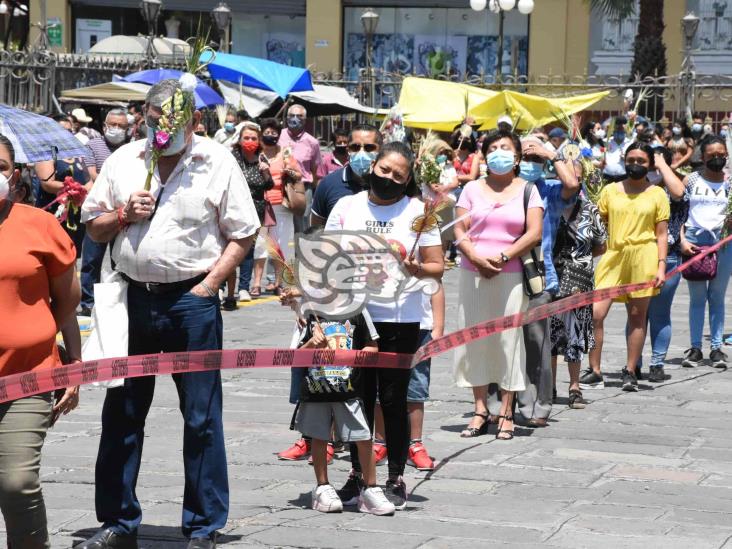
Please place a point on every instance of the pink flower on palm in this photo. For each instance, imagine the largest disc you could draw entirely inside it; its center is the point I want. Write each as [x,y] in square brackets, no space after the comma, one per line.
[162,139]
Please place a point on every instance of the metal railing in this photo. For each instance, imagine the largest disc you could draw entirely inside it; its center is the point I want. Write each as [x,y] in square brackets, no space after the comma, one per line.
[32,79]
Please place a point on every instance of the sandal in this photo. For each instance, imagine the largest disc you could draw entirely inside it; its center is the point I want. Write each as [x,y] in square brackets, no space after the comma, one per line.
[255,292]
[471,432]
[575,399]
[270,288]
[509,433]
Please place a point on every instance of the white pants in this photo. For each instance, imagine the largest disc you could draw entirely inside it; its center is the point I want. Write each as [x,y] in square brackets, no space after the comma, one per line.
[284,231]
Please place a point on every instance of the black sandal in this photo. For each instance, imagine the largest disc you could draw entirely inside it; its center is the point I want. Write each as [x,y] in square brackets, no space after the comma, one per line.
[575,399]
[509,433]
[471,432]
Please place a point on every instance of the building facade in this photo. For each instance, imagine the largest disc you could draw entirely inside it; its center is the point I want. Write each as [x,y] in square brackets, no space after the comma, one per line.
[430,37]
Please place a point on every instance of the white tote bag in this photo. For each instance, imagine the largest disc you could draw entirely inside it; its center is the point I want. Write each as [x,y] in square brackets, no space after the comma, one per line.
[109,335]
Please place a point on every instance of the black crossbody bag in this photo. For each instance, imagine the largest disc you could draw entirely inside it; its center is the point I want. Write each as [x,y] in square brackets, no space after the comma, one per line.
[532,262]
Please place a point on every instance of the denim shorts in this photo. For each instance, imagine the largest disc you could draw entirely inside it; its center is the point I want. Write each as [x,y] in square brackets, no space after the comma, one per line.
[419,379]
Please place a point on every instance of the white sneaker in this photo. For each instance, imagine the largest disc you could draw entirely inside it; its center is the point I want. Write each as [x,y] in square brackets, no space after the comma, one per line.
[244,296]
[326,500]
[372,500]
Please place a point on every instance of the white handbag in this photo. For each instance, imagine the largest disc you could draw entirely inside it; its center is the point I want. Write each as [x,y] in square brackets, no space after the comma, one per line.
[109,335]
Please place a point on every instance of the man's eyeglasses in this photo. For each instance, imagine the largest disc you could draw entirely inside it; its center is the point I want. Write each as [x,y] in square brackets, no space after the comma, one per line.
[368,147]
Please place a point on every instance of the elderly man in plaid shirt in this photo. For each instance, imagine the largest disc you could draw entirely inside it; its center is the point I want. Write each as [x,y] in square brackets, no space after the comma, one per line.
[175,245]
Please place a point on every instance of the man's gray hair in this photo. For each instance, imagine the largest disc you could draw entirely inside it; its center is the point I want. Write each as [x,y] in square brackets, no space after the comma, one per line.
[297,106]
[161,91]
[116,112]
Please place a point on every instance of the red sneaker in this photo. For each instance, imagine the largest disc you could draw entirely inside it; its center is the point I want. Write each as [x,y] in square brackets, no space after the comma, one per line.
[419,458]
[329,453]
[299,450]
[379,452]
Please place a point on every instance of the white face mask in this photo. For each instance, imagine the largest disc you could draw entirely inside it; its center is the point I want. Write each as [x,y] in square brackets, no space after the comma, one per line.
[115,135]
[4,187]
[600,134]
[177,144]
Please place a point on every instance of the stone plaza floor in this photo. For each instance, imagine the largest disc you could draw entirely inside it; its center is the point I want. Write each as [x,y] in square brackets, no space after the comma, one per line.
[632,470]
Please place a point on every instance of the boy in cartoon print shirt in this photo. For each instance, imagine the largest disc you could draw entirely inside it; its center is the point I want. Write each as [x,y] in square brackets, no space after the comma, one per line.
[329,396]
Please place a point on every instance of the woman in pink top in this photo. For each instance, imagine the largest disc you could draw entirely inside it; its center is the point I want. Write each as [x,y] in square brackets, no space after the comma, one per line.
[493,236]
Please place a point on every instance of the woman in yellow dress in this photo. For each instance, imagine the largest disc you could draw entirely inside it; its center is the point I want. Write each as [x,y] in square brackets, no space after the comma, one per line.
[636,213]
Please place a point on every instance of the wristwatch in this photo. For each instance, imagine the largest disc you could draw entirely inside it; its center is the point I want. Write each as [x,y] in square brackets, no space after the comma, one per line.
[505,258]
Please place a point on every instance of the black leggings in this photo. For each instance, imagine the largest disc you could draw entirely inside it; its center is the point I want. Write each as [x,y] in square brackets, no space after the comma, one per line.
[391,384]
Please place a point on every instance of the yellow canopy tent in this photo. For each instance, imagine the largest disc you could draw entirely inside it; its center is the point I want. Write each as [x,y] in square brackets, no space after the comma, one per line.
[109,91]
[440,105]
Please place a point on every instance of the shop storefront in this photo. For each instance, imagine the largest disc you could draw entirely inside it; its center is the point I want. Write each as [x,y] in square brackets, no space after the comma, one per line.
[435,41]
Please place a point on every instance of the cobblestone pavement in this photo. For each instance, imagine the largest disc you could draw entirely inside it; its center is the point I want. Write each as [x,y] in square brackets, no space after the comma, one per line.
[650,469]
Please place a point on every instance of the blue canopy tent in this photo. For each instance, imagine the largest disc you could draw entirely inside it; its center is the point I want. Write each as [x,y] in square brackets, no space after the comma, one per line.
[205,95]
[258,73]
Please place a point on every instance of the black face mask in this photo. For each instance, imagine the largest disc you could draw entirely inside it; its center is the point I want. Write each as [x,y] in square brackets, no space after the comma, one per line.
[340,149]
[269,139]
[636,171]
[385,188]
[716,164]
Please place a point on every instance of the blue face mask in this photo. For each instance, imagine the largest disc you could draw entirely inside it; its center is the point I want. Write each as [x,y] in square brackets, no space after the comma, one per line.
[531,171]
[500,162]
[229,127]
[723,134]
[619,136]
[361,161]
[441,158]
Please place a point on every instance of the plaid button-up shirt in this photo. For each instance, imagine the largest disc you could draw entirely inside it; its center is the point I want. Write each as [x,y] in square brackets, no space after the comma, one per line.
[205,203]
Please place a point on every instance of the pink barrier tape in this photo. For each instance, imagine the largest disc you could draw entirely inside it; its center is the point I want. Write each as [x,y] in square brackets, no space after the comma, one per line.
[22,385]
[490,327]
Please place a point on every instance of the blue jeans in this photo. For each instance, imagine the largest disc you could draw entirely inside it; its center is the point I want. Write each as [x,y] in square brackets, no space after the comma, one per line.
[92,255]
[245,270]
[712,291]
[419,376]
[659,315]
[164,323]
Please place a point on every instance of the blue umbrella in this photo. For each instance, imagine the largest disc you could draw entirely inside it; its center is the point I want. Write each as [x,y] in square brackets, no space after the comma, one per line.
[34,137]
[258,73]
[204,94]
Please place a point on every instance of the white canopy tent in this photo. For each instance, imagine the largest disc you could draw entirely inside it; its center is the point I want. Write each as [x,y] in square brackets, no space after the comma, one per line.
[322,101]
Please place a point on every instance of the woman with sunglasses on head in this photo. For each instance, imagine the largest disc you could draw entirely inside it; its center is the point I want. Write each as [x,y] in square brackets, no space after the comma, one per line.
[287,196]
[636,213]
[708,194]
[39,292]
[247,152]
[389,209]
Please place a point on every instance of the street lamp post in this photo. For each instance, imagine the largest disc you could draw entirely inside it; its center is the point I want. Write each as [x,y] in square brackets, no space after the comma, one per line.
[500,7]
[689,26]
[150,11]
[370,20]
[221,15]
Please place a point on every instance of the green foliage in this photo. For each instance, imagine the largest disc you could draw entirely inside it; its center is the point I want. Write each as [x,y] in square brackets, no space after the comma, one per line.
[616,9]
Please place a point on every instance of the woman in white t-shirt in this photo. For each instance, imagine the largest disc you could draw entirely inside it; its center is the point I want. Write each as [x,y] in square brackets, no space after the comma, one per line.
[388,209]
[708,194]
